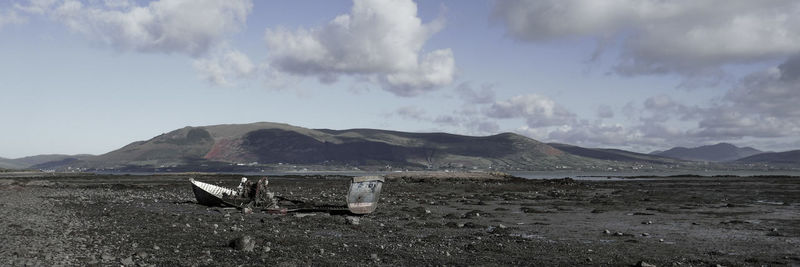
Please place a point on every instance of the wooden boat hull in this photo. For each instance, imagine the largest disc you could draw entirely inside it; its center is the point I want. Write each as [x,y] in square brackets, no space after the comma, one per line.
[209,194]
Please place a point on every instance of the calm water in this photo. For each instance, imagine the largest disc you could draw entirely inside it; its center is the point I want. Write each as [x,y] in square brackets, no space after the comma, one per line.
[595,176]
[577,175]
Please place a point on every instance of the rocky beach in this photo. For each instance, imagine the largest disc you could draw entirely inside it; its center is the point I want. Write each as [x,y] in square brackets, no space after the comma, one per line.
[154,220]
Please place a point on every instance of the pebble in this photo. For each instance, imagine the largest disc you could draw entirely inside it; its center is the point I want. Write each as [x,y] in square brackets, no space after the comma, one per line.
[244,243]
[645,234]
[606,231]
[647,222]
[141,254]
[127,261]
[247,211]
[661,240]
[644,264]
[352,220]
[156,247]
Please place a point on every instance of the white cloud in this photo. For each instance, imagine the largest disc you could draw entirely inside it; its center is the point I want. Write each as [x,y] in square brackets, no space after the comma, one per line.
[10,17]
[773,92]
[688,37]
[411,112]
[596,135]
[461,121]
[538,111]
[605,112]
[485,95]
[763,104]
[168,26]
[383,38]
[436,69]
[37,7]
[225,68]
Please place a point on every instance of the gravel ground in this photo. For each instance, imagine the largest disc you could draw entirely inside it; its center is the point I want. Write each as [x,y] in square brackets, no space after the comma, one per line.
[155,221]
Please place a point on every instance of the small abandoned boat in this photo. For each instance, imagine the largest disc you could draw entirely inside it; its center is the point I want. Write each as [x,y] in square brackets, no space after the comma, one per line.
[362,197]
[209,194]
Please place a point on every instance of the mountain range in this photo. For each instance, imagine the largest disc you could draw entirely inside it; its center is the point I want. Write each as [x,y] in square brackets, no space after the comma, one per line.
[714,153]
[232,147]
[788,157]
[26,162]
[272,143]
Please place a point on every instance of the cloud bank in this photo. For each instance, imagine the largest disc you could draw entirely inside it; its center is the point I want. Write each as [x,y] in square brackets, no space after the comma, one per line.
[225,68]
[655,37]
[166,26]
[382,38]
[10,17]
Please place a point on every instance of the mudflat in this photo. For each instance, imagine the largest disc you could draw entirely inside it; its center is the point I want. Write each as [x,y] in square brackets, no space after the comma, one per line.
[155,220]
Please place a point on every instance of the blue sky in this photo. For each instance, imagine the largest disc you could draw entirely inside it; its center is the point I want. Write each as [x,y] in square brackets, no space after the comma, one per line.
[92,76]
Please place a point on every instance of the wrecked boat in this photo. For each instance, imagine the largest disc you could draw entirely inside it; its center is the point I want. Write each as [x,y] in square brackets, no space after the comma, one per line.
[362,197]
[209,194]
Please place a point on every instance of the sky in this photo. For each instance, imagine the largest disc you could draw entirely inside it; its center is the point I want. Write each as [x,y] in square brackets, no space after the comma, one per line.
[88,77]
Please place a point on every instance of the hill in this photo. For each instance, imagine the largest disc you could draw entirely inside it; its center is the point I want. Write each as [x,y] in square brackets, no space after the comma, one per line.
[273,143]
[29,162]
[788,157]
[715,153]
[9,164]
[614,154]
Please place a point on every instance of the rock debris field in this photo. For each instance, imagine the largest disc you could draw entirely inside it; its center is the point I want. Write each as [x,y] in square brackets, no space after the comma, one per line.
[155,221]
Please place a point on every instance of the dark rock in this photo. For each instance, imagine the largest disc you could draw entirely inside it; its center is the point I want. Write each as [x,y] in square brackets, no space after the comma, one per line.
[452,216]
[352,220]
[127,261]
[141,254]
[532,210]
[474,213]
[472,225]
[243,243]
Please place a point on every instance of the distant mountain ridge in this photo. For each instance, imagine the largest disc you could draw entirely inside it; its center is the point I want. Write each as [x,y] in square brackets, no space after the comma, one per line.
[787,157]
[721,152]
[613,154]
[28,162]
[273,143]
[266,145]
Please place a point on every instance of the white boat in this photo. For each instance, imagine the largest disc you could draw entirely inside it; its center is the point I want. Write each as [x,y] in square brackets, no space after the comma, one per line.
[209,194]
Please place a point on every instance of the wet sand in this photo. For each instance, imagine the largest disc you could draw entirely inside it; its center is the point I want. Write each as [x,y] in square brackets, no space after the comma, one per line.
[154,220]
